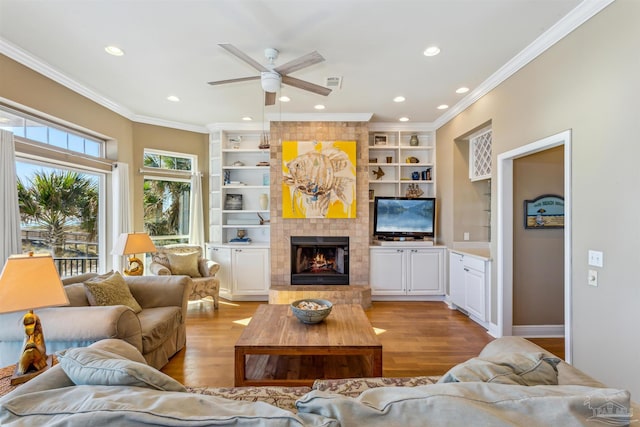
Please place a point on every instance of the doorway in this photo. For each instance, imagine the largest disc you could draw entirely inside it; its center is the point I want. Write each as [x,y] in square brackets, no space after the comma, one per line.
[505,222]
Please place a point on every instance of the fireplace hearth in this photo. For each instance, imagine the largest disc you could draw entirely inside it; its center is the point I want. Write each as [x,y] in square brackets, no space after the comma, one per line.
[319,260]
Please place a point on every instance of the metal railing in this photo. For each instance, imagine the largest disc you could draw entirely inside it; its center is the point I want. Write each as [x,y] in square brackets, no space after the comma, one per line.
[72,266]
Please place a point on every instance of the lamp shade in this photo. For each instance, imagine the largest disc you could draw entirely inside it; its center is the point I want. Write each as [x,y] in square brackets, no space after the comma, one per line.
[133,243]
[30,281]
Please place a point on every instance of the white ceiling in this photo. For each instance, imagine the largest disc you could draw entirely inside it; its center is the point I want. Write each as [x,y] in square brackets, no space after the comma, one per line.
[375,45]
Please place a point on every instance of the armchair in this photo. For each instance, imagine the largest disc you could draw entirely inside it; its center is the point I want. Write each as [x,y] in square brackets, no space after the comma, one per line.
[183,259]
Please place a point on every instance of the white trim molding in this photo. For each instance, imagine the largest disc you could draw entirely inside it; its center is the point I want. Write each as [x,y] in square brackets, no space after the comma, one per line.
[539,331]
[505,220]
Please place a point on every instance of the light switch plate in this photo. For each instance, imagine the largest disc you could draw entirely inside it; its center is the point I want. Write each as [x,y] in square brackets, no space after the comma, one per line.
[592,279]
[595,258]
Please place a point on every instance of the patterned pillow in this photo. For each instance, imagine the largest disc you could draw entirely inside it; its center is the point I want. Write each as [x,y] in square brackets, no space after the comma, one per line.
[184,263]
[112,290]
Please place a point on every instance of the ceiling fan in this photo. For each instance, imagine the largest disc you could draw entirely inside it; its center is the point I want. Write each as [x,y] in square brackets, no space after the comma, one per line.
[271,76]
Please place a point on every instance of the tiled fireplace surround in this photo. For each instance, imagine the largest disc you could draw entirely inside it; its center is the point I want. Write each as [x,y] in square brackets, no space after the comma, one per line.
[357,228]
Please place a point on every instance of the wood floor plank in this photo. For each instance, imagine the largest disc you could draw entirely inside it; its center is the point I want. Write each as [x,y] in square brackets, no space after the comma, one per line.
[418,338]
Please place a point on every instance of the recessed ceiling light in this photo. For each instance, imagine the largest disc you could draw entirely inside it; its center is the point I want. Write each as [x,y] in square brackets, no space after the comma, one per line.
[319,107]
[114,50]
[399,99]
[462,90]
[432,51]
[404,119]
[443,107]
[173,98]
[247,118]
[284,98]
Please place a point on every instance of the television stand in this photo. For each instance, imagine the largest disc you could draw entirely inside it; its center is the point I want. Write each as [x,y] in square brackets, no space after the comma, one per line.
[406,242]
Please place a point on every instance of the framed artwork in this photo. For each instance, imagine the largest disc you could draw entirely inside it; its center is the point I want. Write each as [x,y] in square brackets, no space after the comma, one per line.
[546,211]
[319,179]
[233,202]
[379,139]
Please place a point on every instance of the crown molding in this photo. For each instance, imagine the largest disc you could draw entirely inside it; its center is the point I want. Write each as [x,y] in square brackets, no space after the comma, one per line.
[23,57]
[320,117]
[168,123]
[578,16]
[401,127]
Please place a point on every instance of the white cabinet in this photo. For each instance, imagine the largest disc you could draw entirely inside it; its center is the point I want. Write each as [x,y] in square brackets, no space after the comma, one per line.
[406,271]
[470,285]
[244,271]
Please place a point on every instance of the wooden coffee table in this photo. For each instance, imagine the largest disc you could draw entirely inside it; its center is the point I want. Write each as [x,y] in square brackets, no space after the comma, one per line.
[277,349]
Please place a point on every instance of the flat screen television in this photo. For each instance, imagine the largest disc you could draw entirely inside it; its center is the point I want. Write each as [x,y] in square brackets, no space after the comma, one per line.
[404,218]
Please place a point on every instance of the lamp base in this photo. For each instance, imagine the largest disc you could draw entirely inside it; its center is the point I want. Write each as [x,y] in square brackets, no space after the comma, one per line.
[17,378]
[136,268]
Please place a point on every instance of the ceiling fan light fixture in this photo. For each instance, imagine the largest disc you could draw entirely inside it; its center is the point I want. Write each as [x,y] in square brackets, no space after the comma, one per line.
[270,81]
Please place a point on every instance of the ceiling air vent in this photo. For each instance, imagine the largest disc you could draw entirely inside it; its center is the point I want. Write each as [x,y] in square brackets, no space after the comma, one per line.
[333,82]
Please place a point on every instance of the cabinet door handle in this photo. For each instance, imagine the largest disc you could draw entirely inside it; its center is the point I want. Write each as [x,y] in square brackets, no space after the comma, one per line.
[466,269]
[399,250]
[238,250]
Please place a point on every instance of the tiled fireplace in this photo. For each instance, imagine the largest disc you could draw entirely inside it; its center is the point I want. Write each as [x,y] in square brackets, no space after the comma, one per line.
[356,229]
[319,260]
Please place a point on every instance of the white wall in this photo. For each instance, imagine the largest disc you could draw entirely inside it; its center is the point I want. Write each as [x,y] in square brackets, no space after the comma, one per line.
[588,82]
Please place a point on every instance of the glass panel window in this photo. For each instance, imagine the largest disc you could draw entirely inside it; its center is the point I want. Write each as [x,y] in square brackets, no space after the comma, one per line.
[59,212]
[76,143]
[40,130]
[167,161]
[36,131]
[166,210]
[92,148]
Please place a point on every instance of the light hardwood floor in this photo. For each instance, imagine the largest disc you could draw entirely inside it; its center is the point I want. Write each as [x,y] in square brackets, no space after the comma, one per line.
[418,338]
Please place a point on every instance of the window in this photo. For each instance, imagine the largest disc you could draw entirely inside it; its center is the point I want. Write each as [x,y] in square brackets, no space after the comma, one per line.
[39,130]
[60,213]
[61,203]
[167,192]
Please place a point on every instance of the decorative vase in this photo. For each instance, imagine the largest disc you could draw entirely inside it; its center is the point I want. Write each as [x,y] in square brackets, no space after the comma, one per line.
[414,140]
[241,233]
[264,201]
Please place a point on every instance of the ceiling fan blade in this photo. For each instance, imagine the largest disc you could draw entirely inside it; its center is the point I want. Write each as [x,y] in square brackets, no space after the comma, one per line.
[269,98]
[301,84]
[240,54]
[302,62]
[240,79]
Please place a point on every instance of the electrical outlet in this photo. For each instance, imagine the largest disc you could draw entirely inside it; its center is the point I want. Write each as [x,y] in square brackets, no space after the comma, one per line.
[592,279]
[595,258]
[466,235]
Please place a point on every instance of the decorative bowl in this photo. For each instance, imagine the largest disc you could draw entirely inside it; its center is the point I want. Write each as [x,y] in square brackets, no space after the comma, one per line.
[311,316]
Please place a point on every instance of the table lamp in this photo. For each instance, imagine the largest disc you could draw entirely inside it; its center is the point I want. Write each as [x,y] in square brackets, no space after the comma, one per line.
[27,282]
[131,244]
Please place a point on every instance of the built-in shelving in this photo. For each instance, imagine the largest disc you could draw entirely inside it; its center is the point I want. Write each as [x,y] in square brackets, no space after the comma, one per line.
[240,171]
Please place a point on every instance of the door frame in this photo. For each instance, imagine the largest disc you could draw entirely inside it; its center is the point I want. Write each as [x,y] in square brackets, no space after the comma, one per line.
[505,223]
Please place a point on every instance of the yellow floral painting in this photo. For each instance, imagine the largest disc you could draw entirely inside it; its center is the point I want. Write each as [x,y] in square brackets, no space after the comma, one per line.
[319,179]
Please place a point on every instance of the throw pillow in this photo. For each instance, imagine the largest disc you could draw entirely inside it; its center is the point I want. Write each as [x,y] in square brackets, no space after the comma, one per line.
[92,366]
[112,290]
[510,368]
[184,263]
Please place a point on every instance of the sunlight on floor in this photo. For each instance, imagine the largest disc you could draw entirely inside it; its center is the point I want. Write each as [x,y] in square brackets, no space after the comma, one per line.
[379,331]
[244,322]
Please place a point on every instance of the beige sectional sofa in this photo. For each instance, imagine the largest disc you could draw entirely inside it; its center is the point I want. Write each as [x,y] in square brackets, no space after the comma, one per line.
[157,332]
[116,388]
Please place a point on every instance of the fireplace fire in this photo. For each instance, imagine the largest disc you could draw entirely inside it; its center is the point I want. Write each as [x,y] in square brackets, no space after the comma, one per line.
[319,260]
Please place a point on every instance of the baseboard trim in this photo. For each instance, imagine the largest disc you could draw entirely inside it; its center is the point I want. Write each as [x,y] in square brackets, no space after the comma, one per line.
[538,331]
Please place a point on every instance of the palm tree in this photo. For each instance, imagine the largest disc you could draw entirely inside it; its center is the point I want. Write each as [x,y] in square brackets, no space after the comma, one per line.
[56,200]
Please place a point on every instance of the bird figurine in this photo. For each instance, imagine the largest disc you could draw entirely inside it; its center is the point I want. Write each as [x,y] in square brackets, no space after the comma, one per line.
[379,173]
